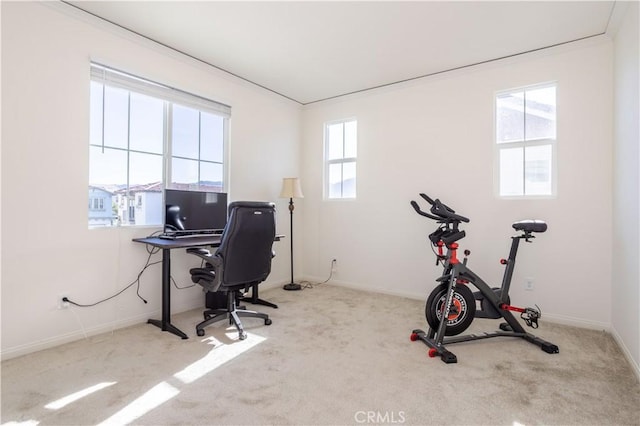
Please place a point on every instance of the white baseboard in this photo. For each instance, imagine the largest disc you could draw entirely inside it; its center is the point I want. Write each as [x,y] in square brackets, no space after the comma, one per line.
[576,322]
[360,287]
[177,307]
[634,364]
[79,334]
[110,327]
[557,319]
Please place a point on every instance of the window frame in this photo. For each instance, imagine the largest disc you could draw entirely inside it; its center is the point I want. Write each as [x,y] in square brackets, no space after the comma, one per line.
[498,147]
[169,96]
[342,160]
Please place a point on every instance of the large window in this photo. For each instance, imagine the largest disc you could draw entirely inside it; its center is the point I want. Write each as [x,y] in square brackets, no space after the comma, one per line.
[145,137]
[525,141]
[340,153]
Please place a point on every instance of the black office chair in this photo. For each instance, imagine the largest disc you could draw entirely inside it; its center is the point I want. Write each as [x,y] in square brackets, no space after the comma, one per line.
[242,261]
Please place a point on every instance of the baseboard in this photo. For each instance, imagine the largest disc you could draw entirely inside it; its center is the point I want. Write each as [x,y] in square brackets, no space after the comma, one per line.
[354,286]
[79,334]
[632,362]
[557,319]
[576,322]
[267,285]
[178,306]
[85,333]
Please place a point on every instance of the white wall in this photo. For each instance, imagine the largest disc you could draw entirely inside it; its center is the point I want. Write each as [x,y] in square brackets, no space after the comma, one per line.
[46,49]
[435,135]
[626,188]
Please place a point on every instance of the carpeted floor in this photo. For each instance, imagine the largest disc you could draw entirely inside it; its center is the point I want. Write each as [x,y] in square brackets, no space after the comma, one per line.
[332,356]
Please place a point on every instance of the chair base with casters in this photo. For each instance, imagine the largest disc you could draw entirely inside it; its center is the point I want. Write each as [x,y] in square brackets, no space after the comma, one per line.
[232,313]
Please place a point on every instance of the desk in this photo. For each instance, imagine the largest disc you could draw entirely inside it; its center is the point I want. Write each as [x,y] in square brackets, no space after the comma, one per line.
[167,245]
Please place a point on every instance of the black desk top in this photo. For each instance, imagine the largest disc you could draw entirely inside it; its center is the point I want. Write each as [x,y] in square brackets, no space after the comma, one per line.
[198,241]
[163,243]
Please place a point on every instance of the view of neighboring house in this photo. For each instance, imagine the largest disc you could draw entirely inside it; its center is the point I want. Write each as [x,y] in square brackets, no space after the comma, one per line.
[101,212]
[140,204]
[136,205]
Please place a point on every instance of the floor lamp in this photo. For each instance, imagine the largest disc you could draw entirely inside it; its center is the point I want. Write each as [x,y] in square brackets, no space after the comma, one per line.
[291,189]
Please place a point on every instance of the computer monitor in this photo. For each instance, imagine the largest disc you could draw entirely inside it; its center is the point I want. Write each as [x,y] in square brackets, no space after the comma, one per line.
[194,210]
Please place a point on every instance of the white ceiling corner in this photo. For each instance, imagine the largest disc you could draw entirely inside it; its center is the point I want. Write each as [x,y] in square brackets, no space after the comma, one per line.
[314,50]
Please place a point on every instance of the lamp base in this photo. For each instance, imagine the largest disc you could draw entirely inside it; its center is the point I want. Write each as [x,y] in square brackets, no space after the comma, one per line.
[292,286]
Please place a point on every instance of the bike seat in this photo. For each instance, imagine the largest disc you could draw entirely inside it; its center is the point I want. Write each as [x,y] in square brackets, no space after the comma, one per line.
[530,226]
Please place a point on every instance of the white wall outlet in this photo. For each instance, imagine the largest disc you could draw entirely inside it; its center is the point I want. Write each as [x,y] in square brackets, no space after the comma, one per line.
[61,303]
[528,284]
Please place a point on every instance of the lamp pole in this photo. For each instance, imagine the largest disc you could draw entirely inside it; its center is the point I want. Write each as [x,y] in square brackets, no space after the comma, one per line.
[291,285]
[291,189]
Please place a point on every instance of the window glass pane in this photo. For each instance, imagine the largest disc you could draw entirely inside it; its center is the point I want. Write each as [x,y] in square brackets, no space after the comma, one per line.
[128,132]
[335,149]
[511,171]
[186,132]
[350,139]
[95,119]
[184,171]
[116,117]
[335,180]
[211,176]
[538,170]
[349,180]
[147,124]
[107,169]
[212,138]
[510,117]
[540,110]
[144,169]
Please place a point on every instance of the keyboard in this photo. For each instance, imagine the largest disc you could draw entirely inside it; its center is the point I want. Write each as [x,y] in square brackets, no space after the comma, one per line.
[176,235]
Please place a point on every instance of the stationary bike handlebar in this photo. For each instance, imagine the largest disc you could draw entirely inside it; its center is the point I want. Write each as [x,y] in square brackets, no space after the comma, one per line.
[439,211]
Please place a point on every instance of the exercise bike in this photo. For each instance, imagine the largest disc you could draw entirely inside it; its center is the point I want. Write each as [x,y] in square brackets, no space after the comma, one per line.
[452,298]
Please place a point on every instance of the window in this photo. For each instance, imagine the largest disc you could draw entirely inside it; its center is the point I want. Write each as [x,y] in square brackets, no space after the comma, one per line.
[526,141]
[340,152]
[145,137]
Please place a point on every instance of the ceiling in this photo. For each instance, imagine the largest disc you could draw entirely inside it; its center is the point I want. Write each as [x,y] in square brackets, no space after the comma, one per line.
[311,51]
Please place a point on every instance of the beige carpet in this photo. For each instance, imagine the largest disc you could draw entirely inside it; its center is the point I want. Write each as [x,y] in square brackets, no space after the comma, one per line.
[332,356]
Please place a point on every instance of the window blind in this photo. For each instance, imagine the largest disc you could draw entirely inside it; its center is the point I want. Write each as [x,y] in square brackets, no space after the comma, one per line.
[112,77]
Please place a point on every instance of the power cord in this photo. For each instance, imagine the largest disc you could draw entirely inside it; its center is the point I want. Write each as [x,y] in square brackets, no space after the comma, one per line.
[307,284]
[151,250]
[136,281]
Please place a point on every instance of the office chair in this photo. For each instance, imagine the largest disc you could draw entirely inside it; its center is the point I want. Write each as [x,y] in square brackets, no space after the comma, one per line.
[242,261]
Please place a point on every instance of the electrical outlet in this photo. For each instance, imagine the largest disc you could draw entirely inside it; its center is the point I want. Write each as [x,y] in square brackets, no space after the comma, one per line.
[334,265]
[528,284]
[61,303]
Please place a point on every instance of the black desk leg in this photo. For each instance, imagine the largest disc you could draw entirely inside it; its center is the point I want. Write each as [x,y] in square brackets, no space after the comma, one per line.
[165,323]
[256,300]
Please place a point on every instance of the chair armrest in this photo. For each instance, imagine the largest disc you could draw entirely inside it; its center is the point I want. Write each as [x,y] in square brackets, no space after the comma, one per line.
[210,277]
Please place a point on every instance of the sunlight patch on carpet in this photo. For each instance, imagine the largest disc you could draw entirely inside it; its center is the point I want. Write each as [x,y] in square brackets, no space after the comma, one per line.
[154,397]
[63,402]
[220,354]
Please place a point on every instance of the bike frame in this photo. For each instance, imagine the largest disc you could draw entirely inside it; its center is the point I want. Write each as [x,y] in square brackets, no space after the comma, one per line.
[457,273]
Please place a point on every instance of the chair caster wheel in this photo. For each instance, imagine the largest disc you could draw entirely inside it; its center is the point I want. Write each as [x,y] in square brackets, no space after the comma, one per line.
[200,332]
[267,321]
[242,336]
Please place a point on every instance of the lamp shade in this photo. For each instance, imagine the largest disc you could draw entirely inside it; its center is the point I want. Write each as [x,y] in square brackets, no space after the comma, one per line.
[291,188]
